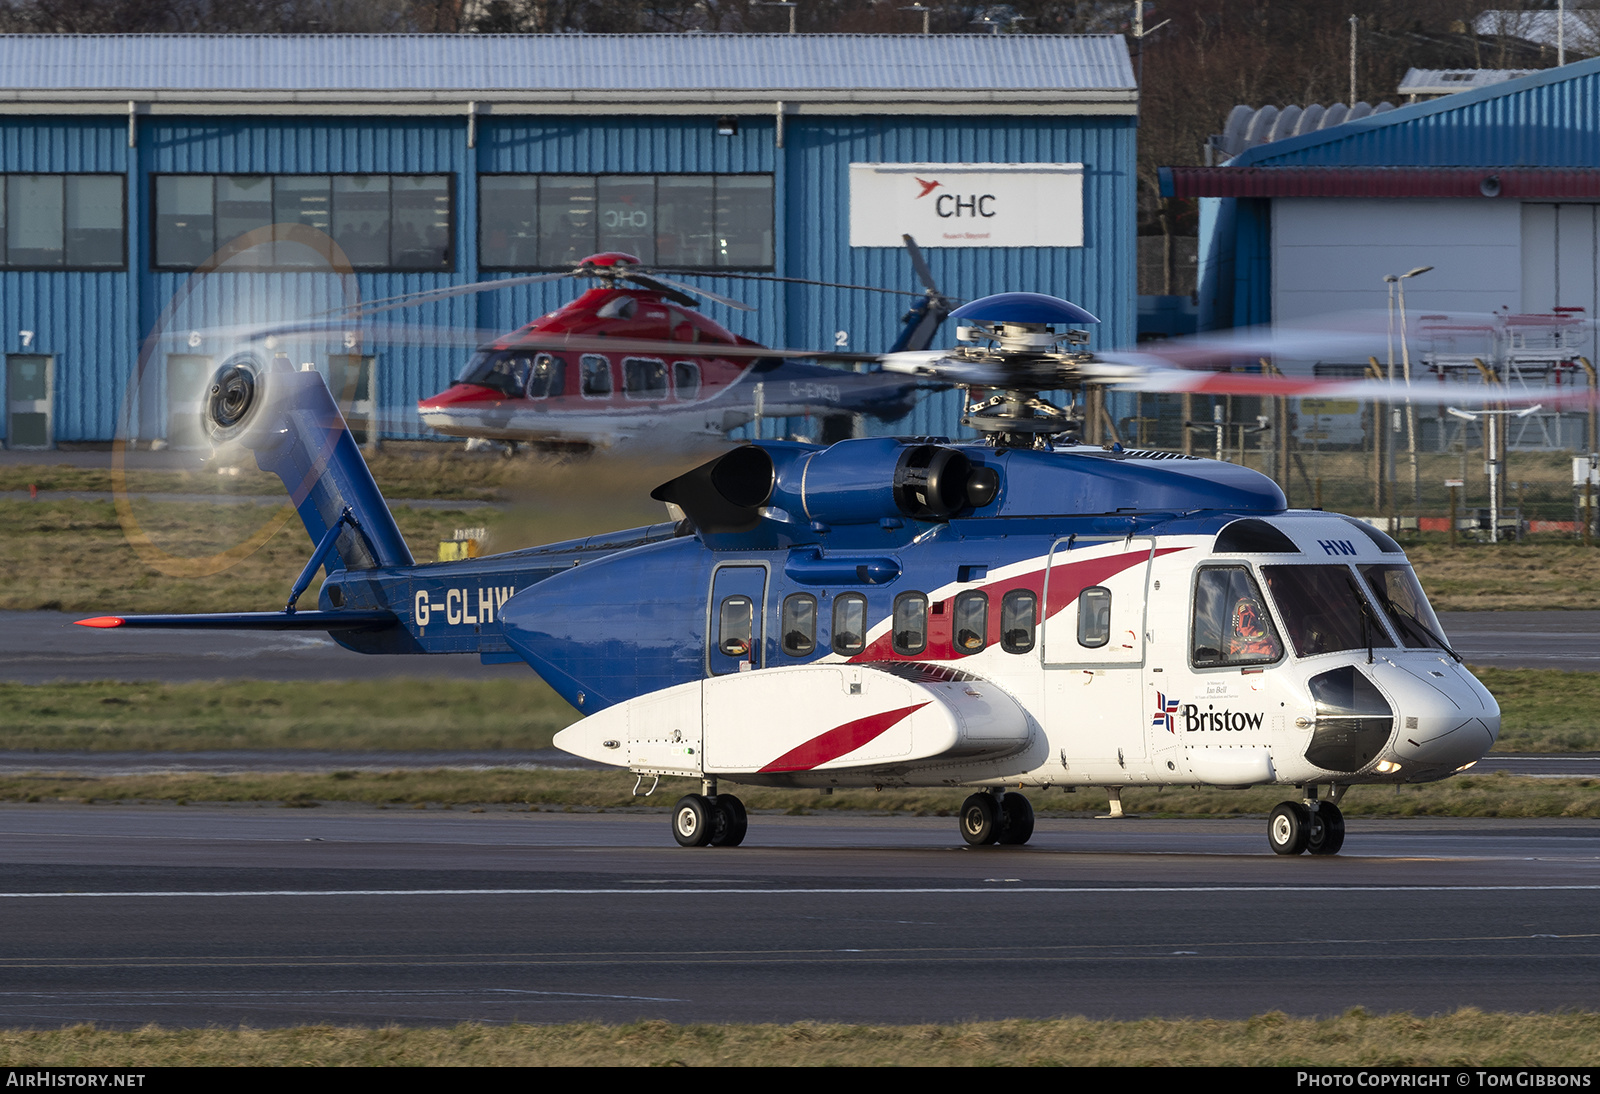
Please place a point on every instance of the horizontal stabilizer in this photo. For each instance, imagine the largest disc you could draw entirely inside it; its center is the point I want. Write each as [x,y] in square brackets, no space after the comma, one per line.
[253,621]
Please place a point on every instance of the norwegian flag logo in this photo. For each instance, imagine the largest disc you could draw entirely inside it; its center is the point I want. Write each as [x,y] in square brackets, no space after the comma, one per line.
[1165,709]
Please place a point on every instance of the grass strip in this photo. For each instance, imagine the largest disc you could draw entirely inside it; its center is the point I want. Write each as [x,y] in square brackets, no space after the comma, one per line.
[1489,795]
[384,714]
[1543,710]
[1464,1038]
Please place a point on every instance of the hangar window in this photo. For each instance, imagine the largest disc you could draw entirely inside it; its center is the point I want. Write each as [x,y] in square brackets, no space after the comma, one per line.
[685,221]
[62,222]
[379,222]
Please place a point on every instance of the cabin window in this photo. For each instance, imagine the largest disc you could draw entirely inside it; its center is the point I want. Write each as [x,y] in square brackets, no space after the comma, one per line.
[969,623]
[644,378]
[800,624]
[735,626]
[1094,617]
[1018,620]
[548,377]
[1231,622]
[1323,609]
[910,627]
[686,379]
[596,375]
[849,624]
[687,221]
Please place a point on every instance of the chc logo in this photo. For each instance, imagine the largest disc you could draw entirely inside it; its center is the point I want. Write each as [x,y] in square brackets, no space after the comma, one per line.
[955,205]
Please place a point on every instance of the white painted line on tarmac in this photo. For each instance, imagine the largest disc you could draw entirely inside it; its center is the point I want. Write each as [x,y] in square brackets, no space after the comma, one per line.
[753,891]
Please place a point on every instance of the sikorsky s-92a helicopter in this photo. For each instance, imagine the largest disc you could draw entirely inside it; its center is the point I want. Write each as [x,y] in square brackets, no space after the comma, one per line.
[640,362]
[1014,615]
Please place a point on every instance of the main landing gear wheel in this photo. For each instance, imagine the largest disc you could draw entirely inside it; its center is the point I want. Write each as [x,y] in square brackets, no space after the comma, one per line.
[692,824]
[1327,830]
[1016,820]
[1289,828]
[729,821]
[980,820]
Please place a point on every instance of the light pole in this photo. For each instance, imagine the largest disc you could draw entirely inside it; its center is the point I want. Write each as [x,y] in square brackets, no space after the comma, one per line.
[1397,285]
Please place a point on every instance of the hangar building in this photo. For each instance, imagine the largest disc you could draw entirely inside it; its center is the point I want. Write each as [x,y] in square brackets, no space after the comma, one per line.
[128,162]
[1497,188]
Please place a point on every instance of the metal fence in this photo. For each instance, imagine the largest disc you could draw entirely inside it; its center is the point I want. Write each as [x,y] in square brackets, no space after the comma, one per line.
[1495,475]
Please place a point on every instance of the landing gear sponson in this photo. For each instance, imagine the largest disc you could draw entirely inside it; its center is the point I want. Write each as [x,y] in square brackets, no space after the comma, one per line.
[1311,825]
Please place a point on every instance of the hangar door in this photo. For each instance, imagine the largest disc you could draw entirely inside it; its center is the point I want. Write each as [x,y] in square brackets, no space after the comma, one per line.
[1559,254]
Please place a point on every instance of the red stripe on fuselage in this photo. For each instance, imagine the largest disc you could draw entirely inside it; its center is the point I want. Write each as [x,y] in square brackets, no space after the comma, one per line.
[1070,579]
[839,740]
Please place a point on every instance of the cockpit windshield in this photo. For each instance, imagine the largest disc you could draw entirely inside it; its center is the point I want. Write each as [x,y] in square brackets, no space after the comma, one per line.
[1396,591]
[1323,609]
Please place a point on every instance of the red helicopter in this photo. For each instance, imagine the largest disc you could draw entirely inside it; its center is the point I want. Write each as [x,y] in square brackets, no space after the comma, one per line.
[624,363]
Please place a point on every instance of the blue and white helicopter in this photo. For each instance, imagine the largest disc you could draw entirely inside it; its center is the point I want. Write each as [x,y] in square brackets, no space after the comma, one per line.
[1014,615]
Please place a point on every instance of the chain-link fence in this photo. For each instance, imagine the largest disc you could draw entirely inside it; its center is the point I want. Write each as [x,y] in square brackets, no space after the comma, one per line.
[1487,472]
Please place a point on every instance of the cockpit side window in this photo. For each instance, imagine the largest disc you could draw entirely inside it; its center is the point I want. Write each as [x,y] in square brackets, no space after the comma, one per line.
[849,623]
[1231,622]
[548,377]
[799,624]
[596,375]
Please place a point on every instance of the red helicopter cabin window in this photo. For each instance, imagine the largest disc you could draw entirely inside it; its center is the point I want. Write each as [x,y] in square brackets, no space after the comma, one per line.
[596,375]
[644,378]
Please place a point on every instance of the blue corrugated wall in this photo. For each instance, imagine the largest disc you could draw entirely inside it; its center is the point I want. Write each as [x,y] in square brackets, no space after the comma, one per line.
[93,324]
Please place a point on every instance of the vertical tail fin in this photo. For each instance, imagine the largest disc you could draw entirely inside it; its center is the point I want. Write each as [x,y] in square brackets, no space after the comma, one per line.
[289,420]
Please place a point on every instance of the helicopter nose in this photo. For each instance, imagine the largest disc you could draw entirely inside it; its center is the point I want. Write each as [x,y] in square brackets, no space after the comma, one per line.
[457,394]
[1446,719]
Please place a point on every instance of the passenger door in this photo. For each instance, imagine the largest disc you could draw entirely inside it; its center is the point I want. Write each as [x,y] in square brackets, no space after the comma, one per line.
[735,634]
[1093,652]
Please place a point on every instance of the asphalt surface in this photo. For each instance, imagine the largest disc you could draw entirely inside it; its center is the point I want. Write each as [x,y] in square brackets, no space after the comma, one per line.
[220,916]
[1526,640]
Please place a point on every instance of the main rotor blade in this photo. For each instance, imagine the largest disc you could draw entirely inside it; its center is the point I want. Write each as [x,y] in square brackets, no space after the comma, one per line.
[1125,372]
[412,299]
[797,281]
[924,274]
[654,279]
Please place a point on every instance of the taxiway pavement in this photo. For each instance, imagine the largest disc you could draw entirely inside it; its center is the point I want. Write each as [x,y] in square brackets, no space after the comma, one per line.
[193,916]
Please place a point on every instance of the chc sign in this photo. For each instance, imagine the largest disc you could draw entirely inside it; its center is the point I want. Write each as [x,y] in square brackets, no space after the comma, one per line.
[967,204]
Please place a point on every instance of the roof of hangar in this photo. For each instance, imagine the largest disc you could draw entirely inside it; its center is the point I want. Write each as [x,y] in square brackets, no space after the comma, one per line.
[567,68]
[1549,118]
